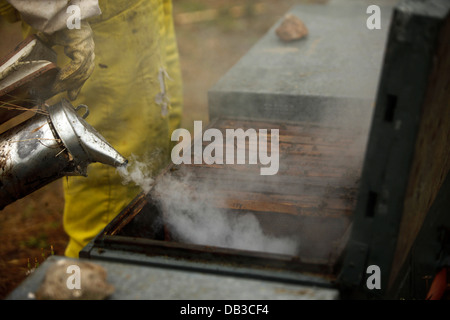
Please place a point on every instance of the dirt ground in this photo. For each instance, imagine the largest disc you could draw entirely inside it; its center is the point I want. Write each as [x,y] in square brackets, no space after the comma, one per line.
[212,36]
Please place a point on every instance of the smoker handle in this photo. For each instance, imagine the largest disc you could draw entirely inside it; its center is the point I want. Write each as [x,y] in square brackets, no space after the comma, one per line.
[86,112]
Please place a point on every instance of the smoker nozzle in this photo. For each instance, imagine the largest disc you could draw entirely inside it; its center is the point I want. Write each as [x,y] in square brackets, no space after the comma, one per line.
[124,164]
[99,150]
[80,138]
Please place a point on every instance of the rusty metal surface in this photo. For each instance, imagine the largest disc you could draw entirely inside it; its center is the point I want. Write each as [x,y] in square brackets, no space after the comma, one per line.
[54,143]
[31,157]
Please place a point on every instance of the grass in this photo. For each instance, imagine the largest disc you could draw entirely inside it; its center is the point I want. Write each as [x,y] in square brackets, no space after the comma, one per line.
[38,241]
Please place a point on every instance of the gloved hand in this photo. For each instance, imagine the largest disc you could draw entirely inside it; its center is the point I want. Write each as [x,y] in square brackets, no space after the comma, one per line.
[79,47]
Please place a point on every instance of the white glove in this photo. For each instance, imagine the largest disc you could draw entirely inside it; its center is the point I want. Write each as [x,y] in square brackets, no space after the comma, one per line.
[51,16]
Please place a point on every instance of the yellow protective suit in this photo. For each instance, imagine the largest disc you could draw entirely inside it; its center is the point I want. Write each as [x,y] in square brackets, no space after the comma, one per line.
[8,12]
[136,54]
[135,101]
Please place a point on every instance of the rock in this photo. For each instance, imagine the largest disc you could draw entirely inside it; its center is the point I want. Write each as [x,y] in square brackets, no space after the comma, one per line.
[93,284]
[292,28]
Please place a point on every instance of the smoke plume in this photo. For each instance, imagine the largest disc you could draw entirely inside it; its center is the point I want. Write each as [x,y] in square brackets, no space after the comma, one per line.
[194,214]
[138,172]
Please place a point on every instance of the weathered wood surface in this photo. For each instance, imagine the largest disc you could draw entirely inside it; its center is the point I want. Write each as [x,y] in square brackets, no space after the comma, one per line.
[312,196]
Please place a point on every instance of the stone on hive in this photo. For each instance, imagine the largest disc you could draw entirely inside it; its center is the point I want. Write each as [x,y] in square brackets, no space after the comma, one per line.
[92,279]
[292,28]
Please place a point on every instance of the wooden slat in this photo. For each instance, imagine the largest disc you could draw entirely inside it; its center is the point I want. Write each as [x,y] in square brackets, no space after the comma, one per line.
[312,196]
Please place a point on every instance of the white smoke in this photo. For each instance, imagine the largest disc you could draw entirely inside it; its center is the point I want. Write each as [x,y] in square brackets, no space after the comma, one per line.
[138,172]
[194,215]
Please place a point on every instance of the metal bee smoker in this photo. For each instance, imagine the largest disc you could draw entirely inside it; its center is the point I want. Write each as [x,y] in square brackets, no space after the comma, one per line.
[56,141]
[48,147]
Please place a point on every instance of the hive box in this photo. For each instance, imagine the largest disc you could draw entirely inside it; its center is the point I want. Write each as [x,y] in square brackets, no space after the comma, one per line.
[307,90]
[349,204]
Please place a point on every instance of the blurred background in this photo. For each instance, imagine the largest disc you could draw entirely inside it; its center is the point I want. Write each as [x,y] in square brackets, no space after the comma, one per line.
[212,37]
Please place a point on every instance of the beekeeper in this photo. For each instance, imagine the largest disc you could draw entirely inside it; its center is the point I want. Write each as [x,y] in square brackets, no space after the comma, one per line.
[122,62]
